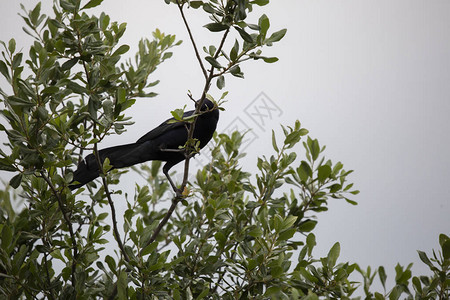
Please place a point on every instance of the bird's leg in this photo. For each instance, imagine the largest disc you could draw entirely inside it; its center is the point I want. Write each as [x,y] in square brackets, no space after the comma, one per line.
[174,187]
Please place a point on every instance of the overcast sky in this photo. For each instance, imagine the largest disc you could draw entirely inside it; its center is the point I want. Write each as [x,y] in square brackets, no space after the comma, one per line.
[369,79]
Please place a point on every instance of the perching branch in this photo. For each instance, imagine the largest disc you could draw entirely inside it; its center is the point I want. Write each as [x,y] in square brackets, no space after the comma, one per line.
[188,152]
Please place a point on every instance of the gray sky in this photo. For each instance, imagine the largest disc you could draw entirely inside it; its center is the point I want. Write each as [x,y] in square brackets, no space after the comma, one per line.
[369,79]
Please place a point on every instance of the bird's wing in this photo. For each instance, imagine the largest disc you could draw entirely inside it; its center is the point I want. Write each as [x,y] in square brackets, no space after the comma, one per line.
[163,128]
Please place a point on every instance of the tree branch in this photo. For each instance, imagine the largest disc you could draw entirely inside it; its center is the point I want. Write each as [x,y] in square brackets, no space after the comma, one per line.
[68,222]
[111,205]
[191,37]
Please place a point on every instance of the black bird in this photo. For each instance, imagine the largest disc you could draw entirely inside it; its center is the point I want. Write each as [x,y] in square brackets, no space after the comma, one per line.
[161,143]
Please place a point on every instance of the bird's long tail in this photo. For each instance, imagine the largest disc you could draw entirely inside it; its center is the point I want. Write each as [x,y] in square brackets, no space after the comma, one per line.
[88,170]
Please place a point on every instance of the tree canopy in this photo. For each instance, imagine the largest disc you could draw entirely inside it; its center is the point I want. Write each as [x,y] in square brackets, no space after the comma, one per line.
[230,234]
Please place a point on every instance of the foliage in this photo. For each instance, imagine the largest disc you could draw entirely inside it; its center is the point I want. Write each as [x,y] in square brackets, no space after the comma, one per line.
[235,235]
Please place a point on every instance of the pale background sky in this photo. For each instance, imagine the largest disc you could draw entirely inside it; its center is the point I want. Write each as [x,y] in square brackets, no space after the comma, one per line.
[369,79]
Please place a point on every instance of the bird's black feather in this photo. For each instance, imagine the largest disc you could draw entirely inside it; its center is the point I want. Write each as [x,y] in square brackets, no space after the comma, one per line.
[152,146]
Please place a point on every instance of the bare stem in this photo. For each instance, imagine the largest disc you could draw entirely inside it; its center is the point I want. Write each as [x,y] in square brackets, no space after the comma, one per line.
[68,222]
[111,205]
[191,37]
[166,218]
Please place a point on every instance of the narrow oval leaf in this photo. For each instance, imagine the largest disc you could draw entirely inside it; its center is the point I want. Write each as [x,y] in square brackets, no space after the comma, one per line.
[69,64]
[333,255]
[92,3]
[446,250]
[213,62]
[121,50]
[276,36]
[244,35]
[4,70]
[216,27]
[15,181]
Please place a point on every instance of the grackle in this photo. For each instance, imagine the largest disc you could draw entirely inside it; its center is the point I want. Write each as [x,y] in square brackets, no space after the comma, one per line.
[161,143]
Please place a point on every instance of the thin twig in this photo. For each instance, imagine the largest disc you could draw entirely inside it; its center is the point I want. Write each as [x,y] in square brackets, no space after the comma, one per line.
[69,225]
[111,204]
[191,37]
[166,218]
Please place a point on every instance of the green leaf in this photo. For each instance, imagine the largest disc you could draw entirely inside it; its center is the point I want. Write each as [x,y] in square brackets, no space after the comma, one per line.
[149,249]
[276,271]
[417,285]
[16,101]
[221,82]
[274,142]
[264,25]
[220,238]
[333,255]
[273,290]
[270,60]
[5,166]
[234,51]
[286,234]
[4,70]
[208,8]
[16,180]
[314,148]
[34,15]
[7,237]
[351,201]
[446,250]
[395,293]
[76,88]
[244,35]
[111,263]
[122,285]
[69,64]
[382,275]
[121,50]
[310,242]
[17,60]
[178,114]
[424,258]
[210,212]
[442,239]
[108,108]
[307,226]
[213,62]
[195,4]
[216,27]
[12,45]
[106,166]
[289,221]
[292,138]
[92,3]
[304,171]
[308,276]
[203,294]
[50,90]
[323,173]
[276,36]
[57,254]
[260,2]
[236,71]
